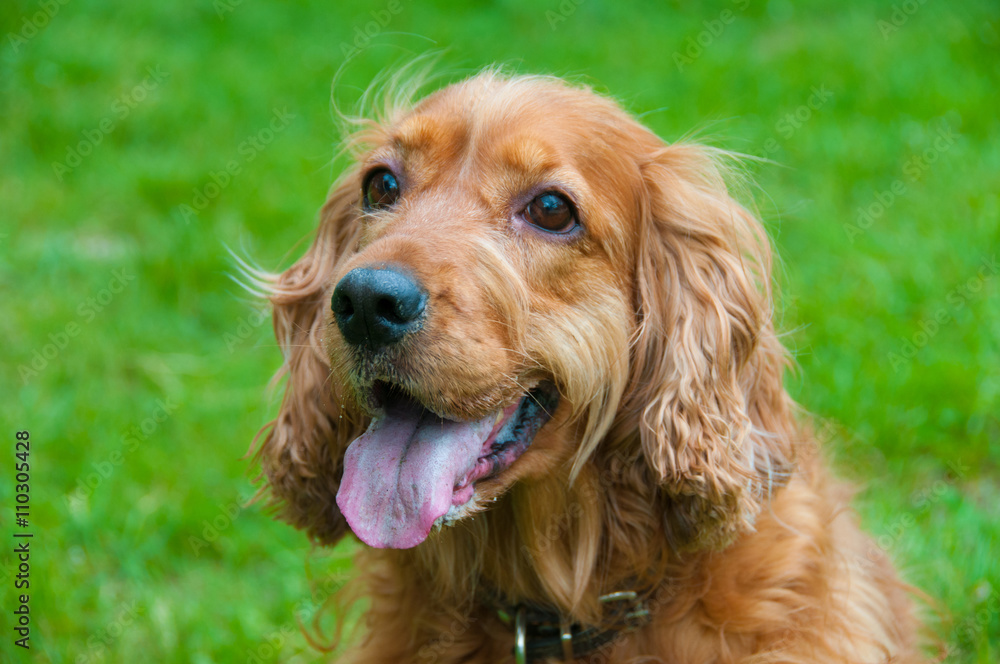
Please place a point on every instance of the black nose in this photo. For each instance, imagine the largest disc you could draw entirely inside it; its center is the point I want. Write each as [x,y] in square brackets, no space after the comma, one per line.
[376,308]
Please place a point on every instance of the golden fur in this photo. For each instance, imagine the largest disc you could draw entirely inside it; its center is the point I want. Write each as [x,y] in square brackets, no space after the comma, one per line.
[676,461]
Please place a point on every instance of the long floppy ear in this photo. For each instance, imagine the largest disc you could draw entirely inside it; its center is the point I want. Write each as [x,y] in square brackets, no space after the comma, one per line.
[303,448]
[713,416]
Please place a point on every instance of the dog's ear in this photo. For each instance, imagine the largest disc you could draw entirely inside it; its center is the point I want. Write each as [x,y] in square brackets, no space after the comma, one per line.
[303,448]
[706,393]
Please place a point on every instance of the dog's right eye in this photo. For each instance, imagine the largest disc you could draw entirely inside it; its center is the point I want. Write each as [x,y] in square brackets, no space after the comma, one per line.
[552,212]
[381,189]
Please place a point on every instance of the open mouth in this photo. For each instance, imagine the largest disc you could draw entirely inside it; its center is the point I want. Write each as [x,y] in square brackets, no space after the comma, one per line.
[412,468]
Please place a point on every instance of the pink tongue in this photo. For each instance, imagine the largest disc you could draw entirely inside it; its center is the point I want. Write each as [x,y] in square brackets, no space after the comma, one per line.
[400,475]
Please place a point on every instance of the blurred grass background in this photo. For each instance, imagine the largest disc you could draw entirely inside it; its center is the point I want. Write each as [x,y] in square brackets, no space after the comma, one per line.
[139,368]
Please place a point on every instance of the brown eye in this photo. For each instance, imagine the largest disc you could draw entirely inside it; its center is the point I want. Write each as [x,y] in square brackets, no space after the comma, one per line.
[552,212]
[381,190]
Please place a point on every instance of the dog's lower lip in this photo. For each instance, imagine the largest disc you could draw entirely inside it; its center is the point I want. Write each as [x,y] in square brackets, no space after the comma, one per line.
[513,433]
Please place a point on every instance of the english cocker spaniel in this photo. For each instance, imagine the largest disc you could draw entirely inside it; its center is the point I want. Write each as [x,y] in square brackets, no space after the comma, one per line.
[532,366]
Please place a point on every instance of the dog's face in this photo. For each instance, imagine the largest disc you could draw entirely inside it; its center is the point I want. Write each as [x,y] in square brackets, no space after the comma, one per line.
[488,296]
[495,224]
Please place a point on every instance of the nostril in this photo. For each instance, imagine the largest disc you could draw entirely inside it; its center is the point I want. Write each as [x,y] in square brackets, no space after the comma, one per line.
[412,306]
[342,304]
[389,309]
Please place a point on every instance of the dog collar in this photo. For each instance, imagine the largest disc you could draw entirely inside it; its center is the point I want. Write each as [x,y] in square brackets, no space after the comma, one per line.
[541,634]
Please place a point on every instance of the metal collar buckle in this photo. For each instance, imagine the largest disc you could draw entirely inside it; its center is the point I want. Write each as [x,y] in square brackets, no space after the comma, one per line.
[630,616]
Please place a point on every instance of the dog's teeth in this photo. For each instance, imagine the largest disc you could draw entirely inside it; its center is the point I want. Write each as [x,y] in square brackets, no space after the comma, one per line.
[499,417]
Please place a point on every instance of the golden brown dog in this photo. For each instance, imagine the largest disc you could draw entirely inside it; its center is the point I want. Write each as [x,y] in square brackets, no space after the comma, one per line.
[531,364]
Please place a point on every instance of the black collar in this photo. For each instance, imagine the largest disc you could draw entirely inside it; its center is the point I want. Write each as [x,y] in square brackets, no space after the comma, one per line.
[543,633]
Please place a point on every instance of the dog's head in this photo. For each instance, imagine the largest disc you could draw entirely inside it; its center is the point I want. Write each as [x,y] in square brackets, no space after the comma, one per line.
[516,275]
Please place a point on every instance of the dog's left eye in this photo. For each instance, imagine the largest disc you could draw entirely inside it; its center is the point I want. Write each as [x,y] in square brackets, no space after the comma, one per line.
[551,212]
[381,189]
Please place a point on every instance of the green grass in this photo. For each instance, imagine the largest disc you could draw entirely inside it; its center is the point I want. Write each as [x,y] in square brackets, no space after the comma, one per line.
[120,575]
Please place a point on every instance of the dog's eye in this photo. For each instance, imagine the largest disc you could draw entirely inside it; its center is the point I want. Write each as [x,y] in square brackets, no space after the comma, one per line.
[552,212]
[381,190]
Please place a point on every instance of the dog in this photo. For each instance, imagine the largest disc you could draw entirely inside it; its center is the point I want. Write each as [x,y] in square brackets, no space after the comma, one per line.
[532,366]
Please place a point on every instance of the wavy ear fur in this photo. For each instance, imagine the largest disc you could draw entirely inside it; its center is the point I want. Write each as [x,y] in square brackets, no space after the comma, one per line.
[713,417]
[304,446]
